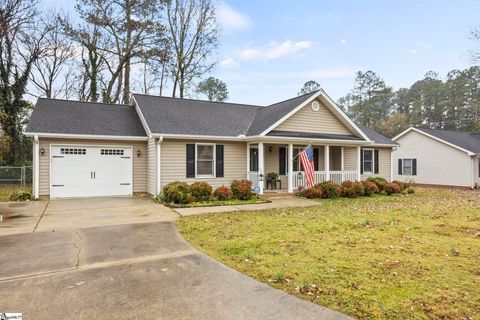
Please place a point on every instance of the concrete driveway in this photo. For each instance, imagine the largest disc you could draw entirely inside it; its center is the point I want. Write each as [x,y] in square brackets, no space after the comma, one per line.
[128,270]
[80,213]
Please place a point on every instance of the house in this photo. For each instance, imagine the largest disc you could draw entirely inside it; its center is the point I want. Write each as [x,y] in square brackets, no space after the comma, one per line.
[437,157]
[89,149]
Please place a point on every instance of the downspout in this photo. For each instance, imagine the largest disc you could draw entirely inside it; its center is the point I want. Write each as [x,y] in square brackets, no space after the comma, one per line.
[36,166]
[159,153]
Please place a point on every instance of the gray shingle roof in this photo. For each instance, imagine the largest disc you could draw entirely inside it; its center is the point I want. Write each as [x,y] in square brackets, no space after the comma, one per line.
[74,117]
[267,116]
[375,136]
[196,117]
[466,140]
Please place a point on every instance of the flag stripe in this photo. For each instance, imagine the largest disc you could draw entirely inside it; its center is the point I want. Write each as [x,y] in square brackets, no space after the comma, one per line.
[307,159]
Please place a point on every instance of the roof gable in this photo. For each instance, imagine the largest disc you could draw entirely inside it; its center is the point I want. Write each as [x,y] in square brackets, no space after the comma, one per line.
[321,121]
[464,141]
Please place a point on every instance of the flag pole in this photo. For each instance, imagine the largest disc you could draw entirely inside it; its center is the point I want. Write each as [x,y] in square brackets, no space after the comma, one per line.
[309,145]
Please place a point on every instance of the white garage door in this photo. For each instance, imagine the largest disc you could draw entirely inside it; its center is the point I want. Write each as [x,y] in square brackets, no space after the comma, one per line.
[89,171]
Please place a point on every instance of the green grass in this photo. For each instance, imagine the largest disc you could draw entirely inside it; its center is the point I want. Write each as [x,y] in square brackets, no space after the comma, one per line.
[213,203]
[399,257]
[5,191]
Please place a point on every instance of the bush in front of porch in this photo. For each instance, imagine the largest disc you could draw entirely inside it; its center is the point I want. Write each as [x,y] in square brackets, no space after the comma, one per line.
[199,194]
[353,189]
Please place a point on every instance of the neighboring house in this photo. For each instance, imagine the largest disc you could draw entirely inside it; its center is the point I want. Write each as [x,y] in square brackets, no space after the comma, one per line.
[91,149]
[437,157]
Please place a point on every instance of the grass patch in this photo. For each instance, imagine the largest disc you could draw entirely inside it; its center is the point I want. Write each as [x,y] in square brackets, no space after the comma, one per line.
[382,257]
[214,203]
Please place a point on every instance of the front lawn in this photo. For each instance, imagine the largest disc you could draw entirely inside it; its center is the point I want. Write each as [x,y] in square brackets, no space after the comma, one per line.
[214,203]
[400,257]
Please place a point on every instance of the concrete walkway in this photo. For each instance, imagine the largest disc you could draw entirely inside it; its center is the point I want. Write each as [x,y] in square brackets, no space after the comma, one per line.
[132,271]
[277,202]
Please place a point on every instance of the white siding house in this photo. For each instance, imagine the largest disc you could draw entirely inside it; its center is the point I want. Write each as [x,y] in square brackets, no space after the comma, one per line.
[434,157]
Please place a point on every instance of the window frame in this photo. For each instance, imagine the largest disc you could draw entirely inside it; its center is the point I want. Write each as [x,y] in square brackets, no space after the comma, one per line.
[372,171]
[296,159]
[214,161]
[411,167]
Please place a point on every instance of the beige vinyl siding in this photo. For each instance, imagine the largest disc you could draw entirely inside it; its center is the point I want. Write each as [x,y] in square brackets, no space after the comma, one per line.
[437,162]
[173,165]
[350,156]
[384,165]
[307,120]
[139,163]
[152,166]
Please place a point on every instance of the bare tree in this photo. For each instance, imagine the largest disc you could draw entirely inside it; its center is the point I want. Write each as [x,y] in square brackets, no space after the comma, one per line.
[51,73]
[21,43]
[92,61]
[193,34]
[126,26]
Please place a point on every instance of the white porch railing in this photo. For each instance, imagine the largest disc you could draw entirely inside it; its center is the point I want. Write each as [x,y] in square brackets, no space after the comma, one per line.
[320,176]
[341,176]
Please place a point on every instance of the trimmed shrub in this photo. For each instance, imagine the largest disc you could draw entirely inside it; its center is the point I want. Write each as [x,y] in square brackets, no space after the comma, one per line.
[330,189]
[241,189]
[222,193]
[201,191]
[20,195]
[410,191]
[391,188]
[352,189]
[403,185]
[380,182]
[370,188]
[177,192]
[310,193]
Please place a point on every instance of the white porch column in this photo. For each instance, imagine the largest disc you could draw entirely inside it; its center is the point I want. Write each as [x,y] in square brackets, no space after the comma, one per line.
[290,168]
[248,161]
[261,167]
[327,162]
[36,168]
[159,160]
[359,163]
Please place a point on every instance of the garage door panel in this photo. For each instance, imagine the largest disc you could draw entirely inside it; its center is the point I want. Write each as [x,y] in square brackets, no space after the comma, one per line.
[85,171]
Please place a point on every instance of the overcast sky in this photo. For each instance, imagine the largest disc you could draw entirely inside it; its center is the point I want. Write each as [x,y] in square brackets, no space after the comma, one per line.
[268,48]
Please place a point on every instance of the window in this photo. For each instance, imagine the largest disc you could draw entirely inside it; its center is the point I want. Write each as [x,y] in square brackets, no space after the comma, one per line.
[111,152]
[73,151]
[205,160]
[368,161]
[407,166]
[297,165]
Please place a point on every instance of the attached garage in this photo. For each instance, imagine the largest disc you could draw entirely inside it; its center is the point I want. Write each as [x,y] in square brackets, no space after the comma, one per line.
[85,149]
[88,171]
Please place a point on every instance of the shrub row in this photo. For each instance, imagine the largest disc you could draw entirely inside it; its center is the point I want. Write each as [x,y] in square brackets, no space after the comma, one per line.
[354,189]
[181,193]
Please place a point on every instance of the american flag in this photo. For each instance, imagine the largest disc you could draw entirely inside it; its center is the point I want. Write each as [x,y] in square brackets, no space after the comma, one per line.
[306,156]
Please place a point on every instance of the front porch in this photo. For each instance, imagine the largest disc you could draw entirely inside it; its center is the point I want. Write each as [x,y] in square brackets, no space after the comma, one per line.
[337,163]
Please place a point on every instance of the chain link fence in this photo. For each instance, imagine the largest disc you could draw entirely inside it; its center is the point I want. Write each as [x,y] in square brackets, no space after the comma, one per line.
[12,178]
